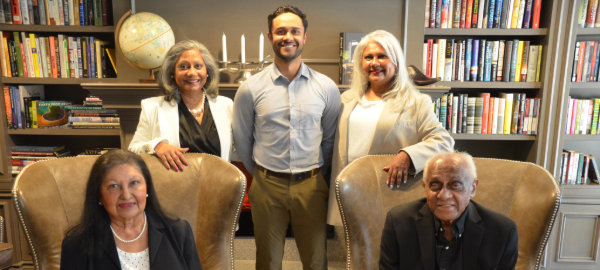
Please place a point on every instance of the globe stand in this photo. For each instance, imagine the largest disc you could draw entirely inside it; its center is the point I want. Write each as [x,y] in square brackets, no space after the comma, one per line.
[245,72]
[152,78]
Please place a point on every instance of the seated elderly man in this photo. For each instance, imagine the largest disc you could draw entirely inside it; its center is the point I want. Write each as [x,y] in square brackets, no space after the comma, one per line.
[446,230]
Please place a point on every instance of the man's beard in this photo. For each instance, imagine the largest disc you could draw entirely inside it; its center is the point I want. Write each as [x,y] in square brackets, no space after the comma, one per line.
[277,50]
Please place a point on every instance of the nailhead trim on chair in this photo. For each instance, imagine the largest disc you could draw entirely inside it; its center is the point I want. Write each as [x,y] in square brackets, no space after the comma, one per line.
[544,240]
[36,262]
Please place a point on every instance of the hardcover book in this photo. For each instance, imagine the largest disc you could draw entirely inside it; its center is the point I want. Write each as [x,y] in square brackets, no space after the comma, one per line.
[51,113]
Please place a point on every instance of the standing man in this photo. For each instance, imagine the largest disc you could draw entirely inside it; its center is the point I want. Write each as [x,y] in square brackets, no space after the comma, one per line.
[284,123]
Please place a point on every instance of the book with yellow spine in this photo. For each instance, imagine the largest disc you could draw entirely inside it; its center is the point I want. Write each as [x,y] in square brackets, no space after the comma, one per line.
[519,60]
[34,54]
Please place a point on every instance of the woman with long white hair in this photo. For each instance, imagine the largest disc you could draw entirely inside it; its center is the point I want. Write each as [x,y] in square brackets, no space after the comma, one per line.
[383,113]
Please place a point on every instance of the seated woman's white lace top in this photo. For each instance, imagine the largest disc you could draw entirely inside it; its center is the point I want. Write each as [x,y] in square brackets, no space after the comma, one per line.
[134,261]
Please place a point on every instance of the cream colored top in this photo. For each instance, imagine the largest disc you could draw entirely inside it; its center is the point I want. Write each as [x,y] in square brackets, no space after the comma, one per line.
[361,127]
[134,261]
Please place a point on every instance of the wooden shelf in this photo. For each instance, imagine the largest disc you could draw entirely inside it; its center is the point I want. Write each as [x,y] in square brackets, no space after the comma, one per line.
[66,81]
[579,137]
[494,137]
[484,32]
[588,31]
[491,85]
[585,85]
[66,132]
[58,28]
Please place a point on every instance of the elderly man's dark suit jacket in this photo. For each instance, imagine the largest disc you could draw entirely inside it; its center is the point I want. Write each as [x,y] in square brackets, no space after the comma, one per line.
[489,240]
[171,244]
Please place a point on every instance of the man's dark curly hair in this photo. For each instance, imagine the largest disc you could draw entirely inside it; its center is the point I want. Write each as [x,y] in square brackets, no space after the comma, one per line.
[287,9]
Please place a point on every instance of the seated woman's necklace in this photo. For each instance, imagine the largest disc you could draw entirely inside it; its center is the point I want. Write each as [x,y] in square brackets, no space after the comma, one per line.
[133,240]
[197,112]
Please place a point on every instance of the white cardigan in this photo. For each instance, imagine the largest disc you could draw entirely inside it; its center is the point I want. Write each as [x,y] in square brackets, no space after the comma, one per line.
[159,122]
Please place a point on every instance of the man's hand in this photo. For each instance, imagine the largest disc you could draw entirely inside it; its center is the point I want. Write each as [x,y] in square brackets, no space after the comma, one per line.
[398,170]
[171,156]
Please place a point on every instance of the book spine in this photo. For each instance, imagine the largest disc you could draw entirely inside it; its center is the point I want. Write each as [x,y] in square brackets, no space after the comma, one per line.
[485,110]
[495,115]
[515,14]
[511,5]
[500,61]
[501,112]
[97,12]
[527,14]
[491,13]
[456,17]
[569,116]
[469,14]
[465,109]
[521,13]
[482,11]
[432,13]
[496,47]
[475,14]
[537,7]
[449,109]
[578,116]
[524,63]
[468,60]
[585,73]
[475,60]
[7,105]
[586,166]
[448,65]
[595,117]
[507,61]
[443,110]
[478,115]
[471,115]
[515,114]
[455,113]
[459,112]
[498,14]
[591,13]
[574,115]
[579,169]
[519,61]
[482,51]
[488,61]
[581,55]
[504,12]
[522,107]
[513,60]
[490,116]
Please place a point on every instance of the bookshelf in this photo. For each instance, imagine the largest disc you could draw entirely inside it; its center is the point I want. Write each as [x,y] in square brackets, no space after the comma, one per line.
[75,139]
[516,147]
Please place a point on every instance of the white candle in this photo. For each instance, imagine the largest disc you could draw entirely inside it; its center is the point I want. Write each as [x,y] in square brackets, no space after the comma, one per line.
[132,6]
[224,48]
[243,49]
[261,45]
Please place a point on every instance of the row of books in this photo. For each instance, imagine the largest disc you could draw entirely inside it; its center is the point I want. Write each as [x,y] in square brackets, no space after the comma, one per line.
[482,60]
[577,168]
[585,61]
[504,14]
[588,14]
[511,113]
[582,116]
[56,12]
[26,155]
[26,108]
[34,56]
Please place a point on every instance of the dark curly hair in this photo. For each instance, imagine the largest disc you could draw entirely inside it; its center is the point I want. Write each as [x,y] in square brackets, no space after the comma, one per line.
[287,9]
[89,233]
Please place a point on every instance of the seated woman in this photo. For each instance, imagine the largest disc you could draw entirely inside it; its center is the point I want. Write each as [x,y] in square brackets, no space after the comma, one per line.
[383,113]
[123,225]
[190,116]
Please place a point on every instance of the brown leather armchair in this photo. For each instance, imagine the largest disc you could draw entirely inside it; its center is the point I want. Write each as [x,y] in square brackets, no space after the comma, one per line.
[208,194]
[6,249]
[525,192]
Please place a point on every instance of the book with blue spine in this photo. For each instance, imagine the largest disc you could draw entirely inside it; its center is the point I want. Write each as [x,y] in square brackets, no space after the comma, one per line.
[79,58]
[482,46]
[498,15]
[475,60]
[92,58]
[527,14]
[491,14]
[468,53]
[488,61]
[444,104]
[81,13]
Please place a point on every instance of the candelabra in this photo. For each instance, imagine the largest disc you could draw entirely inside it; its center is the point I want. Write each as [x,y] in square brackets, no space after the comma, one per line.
[245,72]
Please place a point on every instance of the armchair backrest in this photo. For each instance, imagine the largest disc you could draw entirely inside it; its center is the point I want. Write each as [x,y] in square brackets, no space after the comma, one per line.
[525,192]
[209,193]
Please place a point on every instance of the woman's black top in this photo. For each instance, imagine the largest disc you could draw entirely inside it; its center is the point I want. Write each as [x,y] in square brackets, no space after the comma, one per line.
[200,138]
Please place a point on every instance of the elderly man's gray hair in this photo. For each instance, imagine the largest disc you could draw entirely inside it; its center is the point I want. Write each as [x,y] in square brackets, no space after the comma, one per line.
[467,170]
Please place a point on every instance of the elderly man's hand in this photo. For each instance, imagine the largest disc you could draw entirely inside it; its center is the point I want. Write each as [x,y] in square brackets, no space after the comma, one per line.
[398,170]
[171,156]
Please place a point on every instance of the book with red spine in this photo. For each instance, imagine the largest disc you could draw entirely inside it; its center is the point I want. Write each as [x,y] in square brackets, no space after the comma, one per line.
[53,57]
[469,14]
[24,59]
[445,14]
[429,57]
[580,61]
[463,13]
[8,105]
[490,116]
[591,13]
[475,14]
[535,21]
[16,12]
[486,111]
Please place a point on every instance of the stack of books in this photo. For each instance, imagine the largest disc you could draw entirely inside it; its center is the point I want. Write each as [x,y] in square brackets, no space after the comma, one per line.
[585,62]
[56,12]
[25,155]
[92,115]
[588,14]
[503,14]
[95,152]
[582,116]
[511,113]
[577,168]
[34,56]
[482,60]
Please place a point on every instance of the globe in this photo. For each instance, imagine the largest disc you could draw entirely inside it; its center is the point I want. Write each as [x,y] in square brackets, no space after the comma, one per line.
[145,39]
